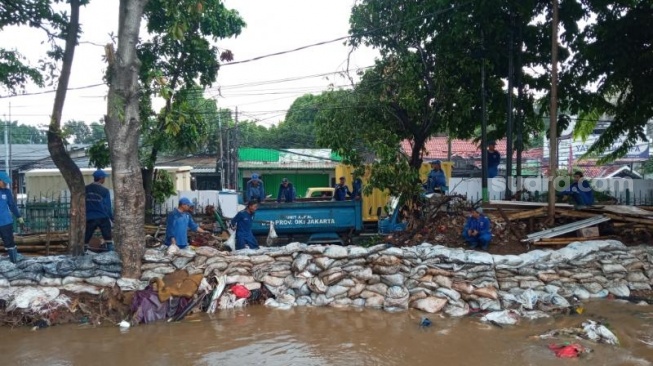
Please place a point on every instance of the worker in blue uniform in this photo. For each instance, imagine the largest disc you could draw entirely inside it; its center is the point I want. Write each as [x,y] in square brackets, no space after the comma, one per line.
[580,191]
[493,159]
[7,209]
[341,191]
[286,191]
[255,189]
[177,224]
[357,189]
[477,230]
[436,181]
[243,222]
[98,211]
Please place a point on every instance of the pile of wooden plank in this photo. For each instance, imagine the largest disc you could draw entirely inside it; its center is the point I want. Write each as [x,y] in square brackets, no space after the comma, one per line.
[41,244]
[622,219]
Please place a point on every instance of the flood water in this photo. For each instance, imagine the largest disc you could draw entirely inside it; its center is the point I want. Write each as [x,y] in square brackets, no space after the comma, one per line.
[325,336]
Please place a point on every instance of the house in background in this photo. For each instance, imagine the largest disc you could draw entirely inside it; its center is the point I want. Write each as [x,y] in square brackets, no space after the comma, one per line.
[24,157]
[466,156]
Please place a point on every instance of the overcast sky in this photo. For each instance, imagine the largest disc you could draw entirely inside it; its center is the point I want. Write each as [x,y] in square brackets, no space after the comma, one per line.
[272,26]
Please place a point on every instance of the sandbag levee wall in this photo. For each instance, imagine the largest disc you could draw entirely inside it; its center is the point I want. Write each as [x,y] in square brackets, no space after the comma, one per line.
[427,277]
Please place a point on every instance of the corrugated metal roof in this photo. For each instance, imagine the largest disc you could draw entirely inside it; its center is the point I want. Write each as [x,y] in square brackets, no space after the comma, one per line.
[287,165]
[256,154]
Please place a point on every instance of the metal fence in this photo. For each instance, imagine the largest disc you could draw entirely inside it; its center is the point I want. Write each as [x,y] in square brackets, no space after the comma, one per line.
[45,213]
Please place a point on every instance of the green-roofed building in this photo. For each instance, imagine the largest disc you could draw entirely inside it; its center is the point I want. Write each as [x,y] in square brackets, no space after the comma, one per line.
[303,167]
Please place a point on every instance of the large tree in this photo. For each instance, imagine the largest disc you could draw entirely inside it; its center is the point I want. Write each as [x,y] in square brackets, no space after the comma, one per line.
[123,126]
[612,73]
[178,57]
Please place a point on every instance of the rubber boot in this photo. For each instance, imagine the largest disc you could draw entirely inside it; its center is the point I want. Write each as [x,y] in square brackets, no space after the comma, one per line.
[13,254]
[109,246]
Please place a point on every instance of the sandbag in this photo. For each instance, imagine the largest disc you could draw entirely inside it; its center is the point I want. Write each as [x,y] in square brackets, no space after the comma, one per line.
[231,242]
[85,262]
[102,281]
[430,304]
[107,258]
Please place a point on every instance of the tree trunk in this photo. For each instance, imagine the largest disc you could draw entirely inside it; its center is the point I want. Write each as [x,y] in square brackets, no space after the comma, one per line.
[123,130]
[416,154]
[148,184]
[69,170]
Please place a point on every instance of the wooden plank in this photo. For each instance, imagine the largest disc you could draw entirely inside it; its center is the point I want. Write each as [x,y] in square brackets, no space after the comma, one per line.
[526,214]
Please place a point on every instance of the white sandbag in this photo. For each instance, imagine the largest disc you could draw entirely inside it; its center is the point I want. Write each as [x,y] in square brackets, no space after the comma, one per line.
[155,256]
[207,251]
[53,282]
[23,297]
[430,304]
[336,252]
[300,262]
[272,234]
[71,279]
[599,333]
[504,317]
[130,284]
[80,288]
[5,283]
[101,281]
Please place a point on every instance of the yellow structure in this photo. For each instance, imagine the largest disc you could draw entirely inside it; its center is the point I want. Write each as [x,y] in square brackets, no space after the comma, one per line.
[50,182]
[373,204]
[447,168]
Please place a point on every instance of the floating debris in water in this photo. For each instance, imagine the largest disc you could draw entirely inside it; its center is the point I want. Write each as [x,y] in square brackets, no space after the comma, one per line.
[425,322]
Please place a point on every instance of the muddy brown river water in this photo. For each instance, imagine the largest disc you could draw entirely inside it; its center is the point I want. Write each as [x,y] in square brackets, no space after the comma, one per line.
[325,336]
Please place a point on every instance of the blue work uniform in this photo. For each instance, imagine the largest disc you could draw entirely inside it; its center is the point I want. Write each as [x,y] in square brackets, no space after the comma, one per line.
[255,192]
[286,194]
[436,181]
[98,211]
[341,192]
[7,208]
[482,226]
[493,160]
[177,226]
[357,189]
[244,236]
[583,195]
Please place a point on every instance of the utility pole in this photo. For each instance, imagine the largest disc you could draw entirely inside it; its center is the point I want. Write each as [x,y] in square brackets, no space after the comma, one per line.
[509,126]
[10,152]
[484,189]
[228,151]
[7,147]
[553,114]
[236,150]
[520,110]
[219,165]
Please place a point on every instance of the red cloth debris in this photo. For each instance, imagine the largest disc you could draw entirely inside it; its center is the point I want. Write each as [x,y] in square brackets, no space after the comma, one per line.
[240,291]
[567,350]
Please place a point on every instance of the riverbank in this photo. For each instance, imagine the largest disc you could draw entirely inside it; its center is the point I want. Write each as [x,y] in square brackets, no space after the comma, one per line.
[430,278]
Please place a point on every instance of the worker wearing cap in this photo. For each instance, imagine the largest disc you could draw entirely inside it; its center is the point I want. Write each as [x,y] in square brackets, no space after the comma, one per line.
[493,159]
[255,190]
[7,208]
[436,181]
[243,223]
[98,211]
[477,230]
[286,191]
[581,191]
[341,190]
[178,222]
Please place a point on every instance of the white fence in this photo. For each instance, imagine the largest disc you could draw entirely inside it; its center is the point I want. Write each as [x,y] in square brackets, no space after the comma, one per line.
[627,191]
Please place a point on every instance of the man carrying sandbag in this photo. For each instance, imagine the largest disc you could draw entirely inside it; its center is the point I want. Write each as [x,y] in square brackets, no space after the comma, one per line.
[243,222]
[177,224]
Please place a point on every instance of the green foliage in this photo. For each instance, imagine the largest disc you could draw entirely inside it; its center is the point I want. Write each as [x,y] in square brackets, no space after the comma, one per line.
[77,130]
[612,72]
[14,73]
[23,134]
[99,155]
[162,187]
[178,61]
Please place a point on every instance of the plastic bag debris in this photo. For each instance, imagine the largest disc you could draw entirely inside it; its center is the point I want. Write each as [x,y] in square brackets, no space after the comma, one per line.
[597,332]
[272,234]
[231,242]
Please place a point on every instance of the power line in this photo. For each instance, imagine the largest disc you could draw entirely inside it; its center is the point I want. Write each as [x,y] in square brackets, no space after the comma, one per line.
[51,91]
[435,13]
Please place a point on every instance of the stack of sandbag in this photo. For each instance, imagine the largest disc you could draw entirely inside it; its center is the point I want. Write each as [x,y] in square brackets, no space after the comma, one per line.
[80,274]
